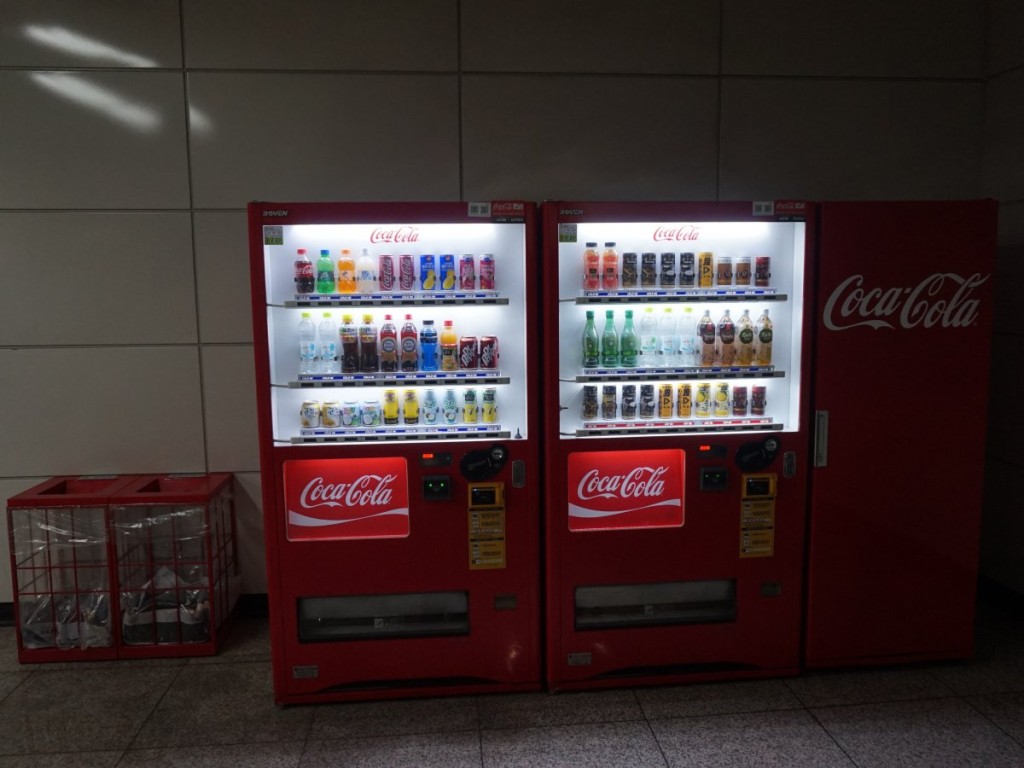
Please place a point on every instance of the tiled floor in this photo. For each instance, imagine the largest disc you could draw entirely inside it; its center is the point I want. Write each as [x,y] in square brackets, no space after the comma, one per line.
[220,712]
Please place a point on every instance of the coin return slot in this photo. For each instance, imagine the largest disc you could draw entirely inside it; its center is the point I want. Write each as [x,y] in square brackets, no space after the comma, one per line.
[362,617]
[641,605]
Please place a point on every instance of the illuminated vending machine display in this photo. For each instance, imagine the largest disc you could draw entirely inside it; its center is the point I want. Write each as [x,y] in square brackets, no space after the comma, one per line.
[675,439]
[399,453]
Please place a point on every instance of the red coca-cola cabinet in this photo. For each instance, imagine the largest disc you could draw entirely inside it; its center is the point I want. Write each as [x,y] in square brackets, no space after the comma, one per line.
[401,503]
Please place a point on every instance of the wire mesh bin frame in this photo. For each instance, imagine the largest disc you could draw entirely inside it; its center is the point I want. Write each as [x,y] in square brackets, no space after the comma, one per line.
[175,593]
[47,543]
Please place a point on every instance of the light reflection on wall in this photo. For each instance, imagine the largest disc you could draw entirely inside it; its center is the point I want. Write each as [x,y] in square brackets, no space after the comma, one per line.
[71,42]
[107,102]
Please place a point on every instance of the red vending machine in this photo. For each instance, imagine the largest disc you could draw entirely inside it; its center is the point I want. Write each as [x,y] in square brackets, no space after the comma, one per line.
[904,323]
[399,448]
[676,439]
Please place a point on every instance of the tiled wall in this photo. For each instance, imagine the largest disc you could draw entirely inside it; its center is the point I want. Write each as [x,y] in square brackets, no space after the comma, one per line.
[133,134]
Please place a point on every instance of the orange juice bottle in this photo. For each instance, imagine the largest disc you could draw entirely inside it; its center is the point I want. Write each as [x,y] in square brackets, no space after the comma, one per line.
[610,267]
[346,272]
[591,268]
[449,348]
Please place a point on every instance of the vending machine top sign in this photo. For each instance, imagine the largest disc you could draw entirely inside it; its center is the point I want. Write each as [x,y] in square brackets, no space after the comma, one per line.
[679,324]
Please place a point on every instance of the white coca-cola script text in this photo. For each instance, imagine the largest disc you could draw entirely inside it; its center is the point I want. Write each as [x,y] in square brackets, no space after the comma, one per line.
[366,491]
[640,482]
[403,234]
[683,232]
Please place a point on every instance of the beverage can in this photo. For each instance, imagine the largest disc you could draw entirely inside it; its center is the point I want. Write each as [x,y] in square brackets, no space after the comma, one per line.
[490,406]
[665,403]
[369,413]
[489,352]
[684,401]
[724,271]
[487,272]
[762,271]
[450,407]
[706,269]
[406,272]
[629,270]
[743,270]
[702,404]
[722,399]
[739,401]
[649,270]
[469,357]
[390,407]
[386,272]
[467,272]
[410,407]
[430,407]
[428,272]
[687,271]
[609,402]
[628,409]
[758,400]
[647,404]
[589,410]
[446,271]
[350,416]
[330,414]
[668,270]
[305,277]
[309,414]
[469,407]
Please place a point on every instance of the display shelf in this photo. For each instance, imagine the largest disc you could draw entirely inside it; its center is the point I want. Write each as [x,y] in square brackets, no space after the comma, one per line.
[656,295]
[384,434]
[418,379]
[688,373]
[670,426]
[405,298]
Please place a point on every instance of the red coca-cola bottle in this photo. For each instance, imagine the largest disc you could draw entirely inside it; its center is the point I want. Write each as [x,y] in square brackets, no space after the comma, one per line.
[305,277]
[388,346]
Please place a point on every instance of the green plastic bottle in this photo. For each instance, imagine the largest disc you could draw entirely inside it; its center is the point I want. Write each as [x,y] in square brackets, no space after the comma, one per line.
[628,342]
[325,282]
[609,342]
[591,343]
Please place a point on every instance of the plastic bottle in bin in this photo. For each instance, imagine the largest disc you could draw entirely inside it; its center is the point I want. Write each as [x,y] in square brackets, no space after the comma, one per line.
[309,353]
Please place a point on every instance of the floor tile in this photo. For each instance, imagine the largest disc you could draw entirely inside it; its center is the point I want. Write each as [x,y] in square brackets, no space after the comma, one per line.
[1006,710]
[9,650]
[222,704]
[435,750]
[996,667]
[827,689]
[11,680]
[390,718]
[760,740]
[716,699]
[545,709]
[284,754]
[63,760]
[248,639]
[606,745]
[938,732]
[83,710]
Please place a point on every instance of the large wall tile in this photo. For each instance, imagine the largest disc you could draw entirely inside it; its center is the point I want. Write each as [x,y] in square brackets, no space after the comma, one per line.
[222,274]
[1006,31]
[108,278]
[229,400]
[98,410]
[249,522]
[323,137]
[823,139]
[589,138]
[1004,136]
[93,140]
[409,35]
[70,33]
[874,38]
[644,36]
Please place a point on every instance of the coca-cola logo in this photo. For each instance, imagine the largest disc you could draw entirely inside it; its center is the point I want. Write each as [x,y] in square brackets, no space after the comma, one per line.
[402,234]
[626,489]
[365,491]
[640,482]
[941,299]
[677,233]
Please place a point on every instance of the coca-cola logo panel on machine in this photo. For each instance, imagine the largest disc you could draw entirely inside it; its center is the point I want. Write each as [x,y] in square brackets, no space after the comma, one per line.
[346,499]
[614,490]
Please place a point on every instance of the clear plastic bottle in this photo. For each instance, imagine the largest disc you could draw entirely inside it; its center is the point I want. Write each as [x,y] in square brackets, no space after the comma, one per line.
[609,342]
[706,329]
[309,351]
[325,282]
[591,268]
[649,338]
[388,346]
[610,267]
[725,344]
[629,343]
[449,347]
[410,354]
[366,273]
[591,343]
[745,339]
[329,362]
[668,334]
[763,340]
[688,338]
[346,272]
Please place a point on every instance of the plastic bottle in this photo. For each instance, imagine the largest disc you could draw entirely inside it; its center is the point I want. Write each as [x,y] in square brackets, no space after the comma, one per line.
[346,272]
[591,268]
[763,340]
[309,352]
[649,338]
[428,346]
[688,338]
[325,273]
[366,273]
[668,335]
[449,347]
[388,346]
[329,362]
[369,361]
[706,330]
[745,339]
[609,342]
[591,343]
[305,277]
[725,343]
[629,343]
[410,356]
[609,267]
[349,344]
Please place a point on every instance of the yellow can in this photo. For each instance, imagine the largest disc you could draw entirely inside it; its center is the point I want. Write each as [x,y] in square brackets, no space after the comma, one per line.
[706,269]
[684,401]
